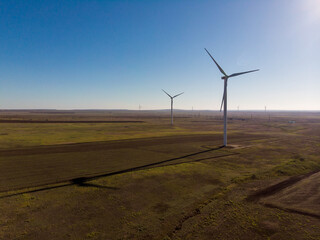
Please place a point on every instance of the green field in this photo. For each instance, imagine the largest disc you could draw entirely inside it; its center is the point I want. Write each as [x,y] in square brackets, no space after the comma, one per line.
[15,135]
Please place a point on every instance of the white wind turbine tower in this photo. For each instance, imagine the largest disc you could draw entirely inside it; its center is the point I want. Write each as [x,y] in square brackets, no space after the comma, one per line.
[172,103]
[225,77]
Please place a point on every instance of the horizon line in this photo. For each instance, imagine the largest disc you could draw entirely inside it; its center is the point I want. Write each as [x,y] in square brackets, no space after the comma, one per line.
[161,109]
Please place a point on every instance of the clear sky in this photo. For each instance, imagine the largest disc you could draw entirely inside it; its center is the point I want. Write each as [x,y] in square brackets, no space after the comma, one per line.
[119,54]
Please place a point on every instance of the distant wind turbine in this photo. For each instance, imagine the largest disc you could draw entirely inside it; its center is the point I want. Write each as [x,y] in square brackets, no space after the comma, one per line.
[225,77]
[172,103]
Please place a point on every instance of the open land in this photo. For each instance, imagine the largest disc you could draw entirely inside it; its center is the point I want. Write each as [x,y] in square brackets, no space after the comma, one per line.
[130,175]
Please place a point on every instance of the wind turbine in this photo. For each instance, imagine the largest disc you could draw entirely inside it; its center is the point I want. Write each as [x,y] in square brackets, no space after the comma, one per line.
[172,103]
[225,77]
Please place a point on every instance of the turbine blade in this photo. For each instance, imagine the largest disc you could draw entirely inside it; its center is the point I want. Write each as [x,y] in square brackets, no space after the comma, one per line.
[166,93]
[221,70]
[177,95]
[240,73]
[222,102]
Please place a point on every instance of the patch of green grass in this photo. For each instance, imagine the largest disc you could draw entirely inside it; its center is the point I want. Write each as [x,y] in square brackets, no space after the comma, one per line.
[34,134]
[26,200]
[296,166]
[92,235]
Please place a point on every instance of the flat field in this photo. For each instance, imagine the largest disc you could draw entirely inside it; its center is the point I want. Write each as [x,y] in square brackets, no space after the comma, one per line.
[130,175]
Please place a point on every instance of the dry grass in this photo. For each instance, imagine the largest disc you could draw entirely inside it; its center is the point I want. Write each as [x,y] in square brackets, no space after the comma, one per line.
[198,196]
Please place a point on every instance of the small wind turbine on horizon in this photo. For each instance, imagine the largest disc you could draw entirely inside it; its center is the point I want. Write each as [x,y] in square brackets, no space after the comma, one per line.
[172,103]
[225,77]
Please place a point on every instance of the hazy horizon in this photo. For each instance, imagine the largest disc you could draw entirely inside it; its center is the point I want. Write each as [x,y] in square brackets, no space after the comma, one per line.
[160,109]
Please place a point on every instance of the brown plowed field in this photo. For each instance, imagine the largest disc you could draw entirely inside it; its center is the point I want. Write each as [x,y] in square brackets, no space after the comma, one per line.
[130,143]
[37,166]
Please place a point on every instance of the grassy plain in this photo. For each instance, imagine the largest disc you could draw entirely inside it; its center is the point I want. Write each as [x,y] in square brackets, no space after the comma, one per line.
[148,180]
[112,126]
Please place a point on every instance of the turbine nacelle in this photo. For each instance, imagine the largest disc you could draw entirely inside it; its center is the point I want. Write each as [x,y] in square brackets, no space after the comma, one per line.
[224,77]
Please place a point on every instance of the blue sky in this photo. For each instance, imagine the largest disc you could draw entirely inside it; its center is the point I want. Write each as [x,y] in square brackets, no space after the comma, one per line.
[119,54]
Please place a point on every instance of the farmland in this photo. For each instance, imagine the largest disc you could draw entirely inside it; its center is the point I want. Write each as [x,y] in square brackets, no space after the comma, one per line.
[131,175]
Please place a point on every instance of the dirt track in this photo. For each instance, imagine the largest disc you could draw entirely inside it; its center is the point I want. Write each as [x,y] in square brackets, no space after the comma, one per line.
[274,189]
[303,196]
